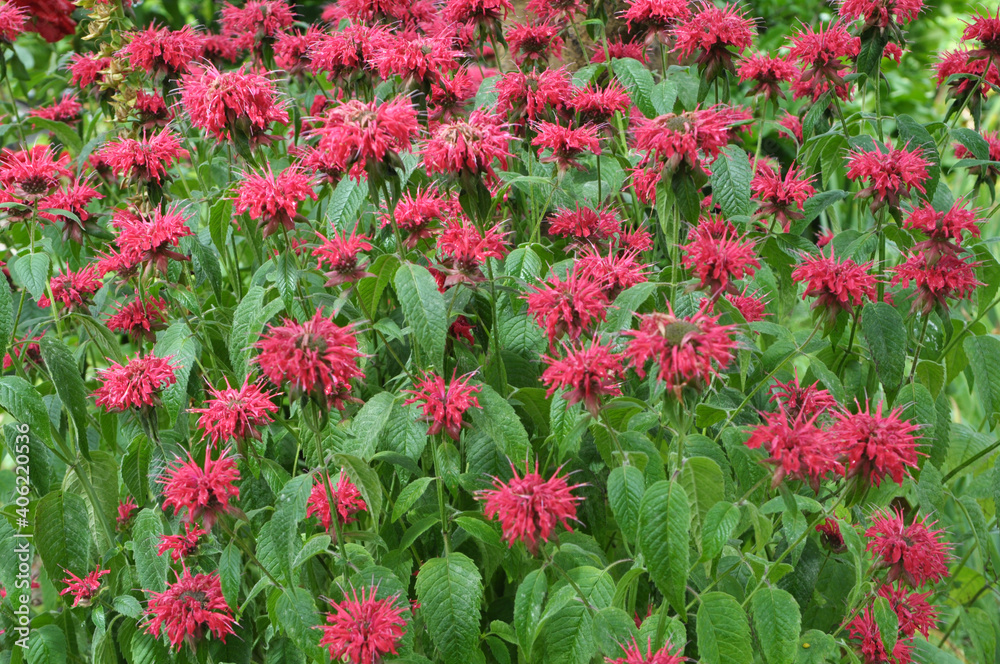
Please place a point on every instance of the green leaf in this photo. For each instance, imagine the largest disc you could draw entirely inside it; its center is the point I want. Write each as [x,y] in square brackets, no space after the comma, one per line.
[425,311]
[528,608]
[345,203]
[973,142]
[279,541]
[984,361]
[887,621]
[231,573]
[135,468]
[702,480]
[821,201]
[450,593]
[717,528]
[497,419]
[32,272]
[128,606]
[816,647]
[178,344]
[569,632]
[47,645]
[6,316]
[61,535]
[69,385]
[638,82]
[664,521]
[723,630]
[873,42]
[409,495]
[102,471]
[626,484]
[150,567]
[776,621]
[25,405]
[249,318]
[886,336]
[731,176]
[370,422]
[220,220]
[916,135]
[294,610]
[66,134]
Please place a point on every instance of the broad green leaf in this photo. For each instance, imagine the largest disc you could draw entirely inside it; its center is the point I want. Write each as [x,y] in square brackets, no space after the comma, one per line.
[279,541]
[220,221]
[179,345]
[664,522]
[450,591]
[528,608]
[47,645]
[731,176]
[102,472]
[776,622]
[367,482]
[887,621]
[984,361]
[345,203]
[821,201]
[915,135]
[128,606]
[32,272]
[61,535]
[717,528]
[499,421]
[973,142]
[638,82]
[885,333]
[135,468]
[723,630]
[231,574]
[68,381]
[626,484]
[249,318]
[62,131]
[22,401]
[294,611]
[569,633]
[409,495]
[425,312]
[369,423]
[816,647]
[704,485]
[150,567]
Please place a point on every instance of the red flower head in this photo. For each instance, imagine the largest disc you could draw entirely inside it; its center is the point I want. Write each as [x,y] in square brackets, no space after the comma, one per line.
[587,373]
[944,230]
[809,401]
[273,200]
[464,249]
[617,271]
[362,630]
[151,110]
[444,403]
[621,49]
[188,608]
[291,49]
[710,32]
[32,174]
[349,501]
[345,53]
[685,138]
[530,507]
[634,654]
[970,69]
[534,95]
[688,351]
[881,13]
[256,21]
[484,13]
[750,306]
[146,159]
[913,553]
[232,102]
[567,143]
[204,492]
[51,19]
[416,60]
[12,20]
[567,307]
[836,285]
[718,260]
[450,94]
[85,69]
[585,224]
[367,134]
[822,53]
[782,198]
[415,213]
[340,252]
[136,384]
[86,589]
[911,609]
[181,546]
[140,318]
[220,49]
[235,413]
[24,348]
[151,239]
[317,357]
[67,110]
[467,147]
[937,281]
[652,16]
[864,628]
[890,173]
[164,51]
[791,126]
[598,105]
[877,445]
[830,535]
[534,42]
[73,289]
[767,73]
[985,29]
[126,510]
[797,447]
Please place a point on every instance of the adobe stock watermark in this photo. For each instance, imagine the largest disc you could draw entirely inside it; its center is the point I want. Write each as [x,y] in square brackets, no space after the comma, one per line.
[20,595]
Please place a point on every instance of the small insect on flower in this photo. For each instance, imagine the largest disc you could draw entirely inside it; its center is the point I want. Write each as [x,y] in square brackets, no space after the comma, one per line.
[181,546]
[587,373]
[444,404]
[188,609]
[273,199]
[83,590]
[205,491]
[235,413]
[135,384]
[345,493]
[913,553]
[529,507]
[361,630]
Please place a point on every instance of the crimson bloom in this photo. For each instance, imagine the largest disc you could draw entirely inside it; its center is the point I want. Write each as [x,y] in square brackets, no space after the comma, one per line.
[145,159]
[467,147]
[782,197]
[85,69]
[363,629]
[937,280]
[164,51]
[484,13]
[256,21]
[984,172]
[12,20]
[136,384]
[566,143]
[126,510]
[181,546]
[140,318]
[750,305]
[598,105]
[984,28]
[233,104]
[913,553]
[86,589]
[587,373]
[67,110]
[204,491]
[614,272]
[534,42]
[74,197]
[415,213]
[634,654]
[533,95]
[188,608]
[31,174]
[890,173]
[912,609]
[151,239]
[416,60]
[317,357]
[584,223]
[340,252]
[767,73]
[944,230]
[685,138]
[235,413]
[345,493]
[798,448]
[444,403]
[710,32]
[719,259]
[73,289]
[877,445]
[864,628]
[530,507]
[567,307]
[836,285]
[967,70]
[655,15]
[881,13]
[273,199]
[822,52]
[808,401]
[464,249]
[367,134]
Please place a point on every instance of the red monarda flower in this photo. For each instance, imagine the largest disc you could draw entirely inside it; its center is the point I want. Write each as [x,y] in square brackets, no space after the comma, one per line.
[24,348]
[291,49]
[598,105]
[809,401]
[73,289]
[585,224]
[567,307]
[880,13]
[718,260]
[710,32]
[684,138]
[416,60]
[181,546]
[555,9]
[12,19]
[273,199]
[340,252]
[235,413]
[984,28]
[140,318]
[151,239]
[767,73]
[464,249]
[937,281]
[415,213]
[256,21]
[587,373]
[145,159]
[864,628]
[912,610]
[204,492]
[623,49]
[944,230]
[750,306]
[534,95]
[566,144]
[366,134]
[126,510]
[822,52]
[188,608]
[451,93]
[782,197]
[136,384]
[342,54]
[483,13]
[67,110]
[798,448]
[347,496]
[74,197]
[363,629]
[467,146]
[164,51]
[151,110]
[913,553]
[877,445]
[227,104]
[86,589]
[85,69]
[791,126]
[687,351]
[970,69]
[633,653]
[31,174]
[530,507]
[836,284]
[890,173]
[444,403]
[317,357]
[654,16]
[534,42]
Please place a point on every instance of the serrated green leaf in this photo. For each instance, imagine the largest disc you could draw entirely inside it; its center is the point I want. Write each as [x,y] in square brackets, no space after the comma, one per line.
[887,621]
[231,574]
[638,82]
[61,535]
[249,318]
[720,521]
[626,484]
[68,381]
[135,468]
[499,421]
[723,630]
[704,485]
[528,608]
[425,312]
[776,621]
[916,135]
[450,590]
[367,482]
[664,522]
[984,361]
[22,401]
[409,495]
[885,333]
[150,566]
[47,645]
[128,606]
[179,344]
[32,272]
[731,176]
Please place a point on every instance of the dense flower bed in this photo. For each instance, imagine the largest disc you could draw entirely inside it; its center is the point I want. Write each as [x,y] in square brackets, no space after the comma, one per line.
[454,332]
